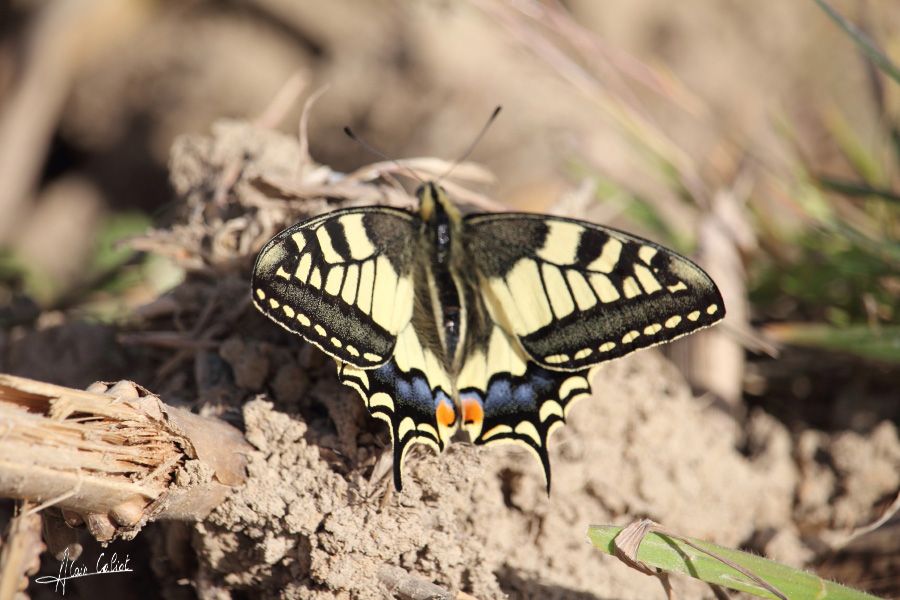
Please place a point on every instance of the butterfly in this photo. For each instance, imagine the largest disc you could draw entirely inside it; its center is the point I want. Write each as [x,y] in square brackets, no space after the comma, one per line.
[491,323]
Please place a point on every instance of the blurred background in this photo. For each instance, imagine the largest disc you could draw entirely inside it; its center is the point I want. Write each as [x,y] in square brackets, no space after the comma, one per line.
[759,137]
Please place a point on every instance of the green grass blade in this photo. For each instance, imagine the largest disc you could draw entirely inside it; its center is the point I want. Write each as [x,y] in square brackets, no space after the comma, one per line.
[882,343]
[855,189]
[672,555]
[863,41]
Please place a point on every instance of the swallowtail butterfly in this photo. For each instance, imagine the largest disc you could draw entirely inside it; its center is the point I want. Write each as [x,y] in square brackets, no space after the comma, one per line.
[487,322]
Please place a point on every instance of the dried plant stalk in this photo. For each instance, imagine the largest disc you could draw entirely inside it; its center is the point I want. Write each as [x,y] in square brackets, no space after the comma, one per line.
[20,553]
[114,456]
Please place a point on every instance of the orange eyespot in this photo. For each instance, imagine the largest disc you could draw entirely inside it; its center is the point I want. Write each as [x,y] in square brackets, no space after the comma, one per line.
[472,411]
[446,416]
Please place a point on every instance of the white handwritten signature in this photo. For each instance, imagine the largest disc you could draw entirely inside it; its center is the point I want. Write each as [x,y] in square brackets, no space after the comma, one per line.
[68,569]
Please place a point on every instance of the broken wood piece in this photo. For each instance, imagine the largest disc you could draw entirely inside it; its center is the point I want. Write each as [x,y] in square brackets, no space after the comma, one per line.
[115,456]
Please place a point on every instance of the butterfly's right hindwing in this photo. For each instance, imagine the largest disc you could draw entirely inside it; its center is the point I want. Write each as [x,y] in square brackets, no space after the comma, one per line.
[342,280]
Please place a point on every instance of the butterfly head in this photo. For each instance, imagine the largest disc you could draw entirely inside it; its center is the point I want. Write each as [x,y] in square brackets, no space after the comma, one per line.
[434,204]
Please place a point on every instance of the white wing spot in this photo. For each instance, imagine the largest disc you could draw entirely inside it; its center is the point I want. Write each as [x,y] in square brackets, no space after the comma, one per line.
[501,354]
[572,385]
[366,283]
[583,353]
[315,279]
[555,359]
[561,244]
[646,253]
[361,247]
[328,251]
[385,289]
[630,337]
[652,329]
[320,330]
[584,296]
[630,287]
[527,429]
[403,304]
[260,294]
[524,285]
[336,342]
[303,267]
[504,298]
[711,309]
[473,372]
[371,356]
[273,303]
[606,291]
[381,399]
[550,408]
[300,240]
[496,430]
[694,315]
[352,351]
[609,257]
[288,311]
[678,287]
[282,273]
[348,292]
[673,321]
[333,280]
[428,429]
[607,346]
[648,281]
[560,299]
[406,425]
[304,320]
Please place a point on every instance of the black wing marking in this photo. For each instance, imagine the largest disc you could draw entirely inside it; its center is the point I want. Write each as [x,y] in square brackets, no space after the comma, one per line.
[506,397]
[577,294]
[342,280]
[412,393]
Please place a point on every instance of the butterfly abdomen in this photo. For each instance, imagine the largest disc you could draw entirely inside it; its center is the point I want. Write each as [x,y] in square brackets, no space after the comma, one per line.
[441,238]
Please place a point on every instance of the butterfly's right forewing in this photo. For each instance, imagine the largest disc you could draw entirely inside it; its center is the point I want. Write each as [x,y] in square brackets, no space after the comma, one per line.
[343,281]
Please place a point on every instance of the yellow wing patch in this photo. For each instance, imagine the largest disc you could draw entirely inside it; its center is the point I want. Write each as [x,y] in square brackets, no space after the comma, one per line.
[343,281]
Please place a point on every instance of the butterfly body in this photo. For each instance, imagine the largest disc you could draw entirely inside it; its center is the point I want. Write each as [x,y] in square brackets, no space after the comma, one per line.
[489,322]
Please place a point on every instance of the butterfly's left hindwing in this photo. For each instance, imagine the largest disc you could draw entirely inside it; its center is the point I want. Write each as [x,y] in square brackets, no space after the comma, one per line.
[412,393]
[342,280]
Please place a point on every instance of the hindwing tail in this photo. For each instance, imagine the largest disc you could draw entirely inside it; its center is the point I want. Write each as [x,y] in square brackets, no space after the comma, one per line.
[412,393]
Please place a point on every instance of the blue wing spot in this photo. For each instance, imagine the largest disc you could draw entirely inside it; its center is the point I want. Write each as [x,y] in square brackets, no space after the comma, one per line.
[439,397]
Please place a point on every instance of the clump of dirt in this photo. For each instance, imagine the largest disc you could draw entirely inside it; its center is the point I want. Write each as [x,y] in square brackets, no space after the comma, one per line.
[479,520]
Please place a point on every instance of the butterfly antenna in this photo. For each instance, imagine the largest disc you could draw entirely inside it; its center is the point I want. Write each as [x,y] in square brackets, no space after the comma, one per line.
[369,147]
[474,143]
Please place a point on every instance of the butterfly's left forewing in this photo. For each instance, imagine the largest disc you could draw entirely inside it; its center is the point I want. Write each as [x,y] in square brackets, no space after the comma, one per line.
[347,282]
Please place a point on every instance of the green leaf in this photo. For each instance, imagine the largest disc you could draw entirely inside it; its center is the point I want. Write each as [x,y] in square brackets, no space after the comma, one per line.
[673,555]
